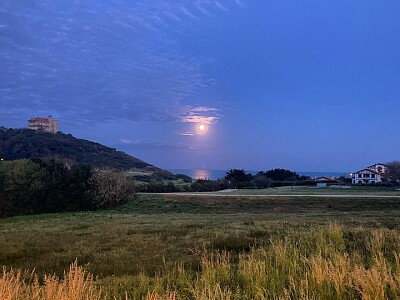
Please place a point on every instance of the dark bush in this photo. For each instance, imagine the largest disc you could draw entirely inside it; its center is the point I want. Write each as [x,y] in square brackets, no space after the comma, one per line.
[205,185]
[38,186]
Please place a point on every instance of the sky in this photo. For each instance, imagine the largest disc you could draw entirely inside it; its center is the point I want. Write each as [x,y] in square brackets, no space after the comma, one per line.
[310,85]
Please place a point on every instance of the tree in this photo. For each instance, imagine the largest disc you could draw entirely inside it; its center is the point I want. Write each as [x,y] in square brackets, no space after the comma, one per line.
[283,175]
[111,188]
[238,178]
[393,171]
[261,181]
[21,186]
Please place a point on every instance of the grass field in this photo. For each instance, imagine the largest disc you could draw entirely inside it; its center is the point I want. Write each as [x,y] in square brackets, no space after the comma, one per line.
[144,245]
[312,190]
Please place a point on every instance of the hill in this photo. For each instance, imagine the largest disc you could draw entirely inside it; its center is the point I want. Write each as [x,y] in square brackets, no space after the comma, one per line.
[27,143]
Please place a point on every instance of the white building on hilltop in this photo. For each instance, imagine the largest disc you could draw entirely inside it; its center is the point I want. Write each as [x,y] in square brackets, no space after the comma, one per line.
[370,175]
[47,124]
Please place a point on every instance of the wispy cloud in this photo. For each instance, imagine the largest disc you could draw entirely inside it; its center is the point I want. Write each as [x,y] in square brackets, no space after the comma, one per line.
[186,133]
[221,6]
[201,114]
[111,60]
[240,3]
[187,13]
[159,146]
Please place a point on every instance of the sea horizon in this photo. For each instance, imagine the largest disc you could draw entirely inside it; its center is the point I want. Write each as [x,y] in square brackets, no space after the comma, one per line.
[218,174]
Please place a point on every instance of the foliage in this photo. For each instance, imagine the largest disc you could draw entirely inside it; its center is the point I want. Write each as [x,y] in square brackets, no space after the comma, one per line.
[200,185]
[283,175]
[28,144]
[111,188]
[261,181]
[239,178]
[159,187]
[38,186]
[393,172]
[205,185]
[272,178]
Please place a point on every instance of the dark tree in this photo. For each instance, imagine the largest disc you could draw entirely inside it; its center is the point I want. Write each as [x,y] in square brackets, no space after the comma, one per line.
[238,178]
[261,181]
[283,175]
[393,171]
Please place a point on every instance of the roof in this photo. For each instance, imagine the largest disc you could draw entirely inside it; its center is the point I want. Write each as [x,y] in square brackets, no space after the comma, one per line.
[369,170]
[378,164]
[39,119]
[324,177]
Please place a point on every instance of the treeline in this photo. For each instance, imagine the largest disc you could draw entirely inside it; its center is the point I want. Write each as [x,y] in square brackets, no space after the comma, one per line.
[200,185]
[47,186]
[234,178]
[273,178]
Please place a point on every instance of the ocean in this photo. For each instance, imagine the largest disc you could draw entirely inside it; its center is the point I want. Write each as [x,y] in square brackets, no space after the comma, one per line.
[218,174]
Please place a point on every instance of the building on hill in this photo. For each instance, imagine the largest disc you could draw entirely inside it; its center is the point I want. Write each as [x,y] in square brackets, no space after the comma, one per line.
[370,175]
[47,124]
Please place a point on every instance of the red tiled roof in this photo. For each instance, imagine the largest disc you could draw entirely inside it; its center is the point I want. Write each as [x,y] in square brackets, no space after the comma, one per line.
[40,119]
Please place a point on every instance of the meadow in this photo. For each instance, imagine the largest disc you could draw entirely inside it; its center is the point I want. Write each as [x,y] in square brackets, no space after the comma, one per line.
[213,246]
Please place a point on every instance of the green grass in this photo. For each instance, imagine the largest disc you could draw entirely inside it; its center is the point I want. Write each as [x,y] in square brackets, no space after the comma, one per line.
[155,232]
[312,190]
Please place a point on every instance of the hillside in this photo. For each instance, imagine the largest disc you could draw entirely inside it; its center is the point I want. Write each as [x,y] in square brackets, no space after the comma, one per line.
[26,143]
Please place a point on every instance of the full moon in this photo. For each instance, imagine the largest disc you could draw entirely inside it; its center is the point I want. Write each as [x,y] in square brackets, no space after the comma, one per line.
[202,127]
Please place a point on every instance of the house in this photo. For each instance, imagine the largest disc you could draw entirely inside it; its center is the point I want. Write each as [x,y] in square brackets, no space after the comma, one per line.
[47,124]
[370,175]
[325,179]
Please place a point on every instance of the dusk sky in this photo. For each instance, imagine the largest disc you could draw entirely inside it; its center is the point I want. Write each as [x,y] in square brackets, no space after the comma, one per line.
[310,85]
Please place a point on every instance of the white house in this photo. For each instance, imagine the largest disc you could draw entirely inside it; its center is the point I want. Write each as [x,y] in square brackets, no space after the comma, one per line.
[370,175]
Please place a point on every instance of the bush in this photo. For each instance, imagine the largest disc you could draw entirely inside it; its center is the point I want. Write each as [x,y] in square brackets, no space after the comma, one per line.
[38,186]
[205,185]
[111,188]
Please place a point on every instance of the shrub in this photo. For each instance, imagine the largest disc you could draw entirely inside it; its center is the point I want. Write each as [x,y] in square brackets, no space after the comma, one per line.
[111,188]
[38,186]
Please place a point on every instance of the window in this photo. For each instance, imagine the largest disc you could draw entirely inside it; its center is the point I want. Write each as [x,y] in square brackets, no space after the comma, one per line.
[372,175]
[360,175]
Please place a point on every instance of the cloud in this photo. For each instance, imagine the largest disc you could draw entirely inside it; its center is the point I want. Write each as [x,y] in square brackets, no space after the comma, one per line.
[154,146]
[129,142]
[200,114]
[221,6]
[112,60]
[188,13]
[240,3]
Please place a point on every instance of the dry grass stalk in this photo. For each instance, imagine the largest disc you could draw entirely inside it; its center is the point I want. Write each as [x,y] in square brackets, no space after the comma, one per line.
[77,284]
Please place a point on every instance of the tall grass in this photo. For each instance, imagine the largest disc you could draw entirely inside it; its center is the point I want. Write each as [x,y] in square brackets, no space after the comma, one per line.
[77,284]
[325,263]
[319,264]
